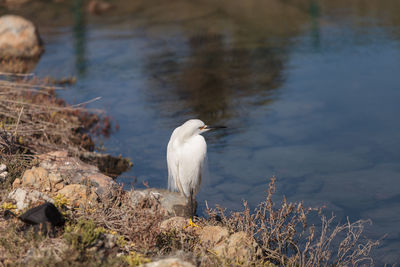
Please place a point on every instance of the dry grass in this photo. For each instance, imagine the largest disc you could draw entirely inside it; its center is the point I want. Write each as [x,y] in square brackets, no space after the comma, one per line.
[282,233]
[287,239]
[137,224]
[33,120]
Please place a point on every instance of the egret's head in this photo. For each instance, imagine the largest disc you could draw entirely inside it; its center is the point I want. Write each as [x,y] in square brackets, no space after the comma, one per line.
[195,126]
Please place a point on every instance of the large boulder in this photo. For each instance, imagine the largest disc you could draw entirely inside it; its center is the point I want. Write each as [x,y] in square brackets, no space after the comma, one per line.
[19,38]
[66,170]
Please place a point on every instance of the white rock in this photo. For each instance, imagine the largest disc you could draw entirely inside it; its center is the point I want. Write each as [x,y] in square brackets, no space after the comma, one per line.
[173,203]
[3,167]
[171,262]
[25,197]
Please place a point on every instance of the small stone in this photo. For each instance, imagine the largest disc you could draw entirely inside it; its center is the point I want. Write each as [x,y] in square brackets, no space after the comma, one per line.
[3,167]
[213,234]
[36,177]
[239,246]
[172,203]
[177,223]
[170,262]
[101,181]
[59,186]
[79,194]
[58,154]
[110,241]
[3,175]
[16,183]
[55,178]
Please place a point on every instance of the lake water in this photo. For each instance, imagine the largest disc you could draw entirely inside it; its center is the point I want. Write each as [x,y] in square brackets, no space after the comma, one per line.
[310,91]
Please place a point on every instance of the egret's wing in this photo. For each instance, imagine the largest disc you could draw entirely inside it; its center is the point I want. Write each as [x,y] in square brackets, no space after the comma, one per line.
[173,163]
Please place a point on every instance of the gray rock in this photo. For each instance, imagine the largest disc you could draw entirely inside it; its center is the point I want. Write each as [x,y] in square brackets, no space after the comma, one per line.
[25,197]
[172,203]
[170,262]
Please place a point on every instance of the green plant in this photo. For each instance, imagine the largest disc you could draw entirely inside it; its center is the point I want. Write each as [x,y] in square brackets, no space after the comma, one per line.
[136,259]
[61,201]
[8,206]
[83,235]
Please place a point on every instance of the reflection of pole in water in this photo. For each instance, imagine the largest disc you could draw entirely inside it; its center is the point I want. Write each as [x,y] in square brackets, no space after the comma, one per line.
[80,36]
[315,32]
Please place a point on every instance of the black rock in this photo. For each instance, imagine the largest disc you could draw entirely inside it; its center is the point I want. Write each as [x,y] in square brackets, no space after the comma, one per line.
[45,213]
[43,218]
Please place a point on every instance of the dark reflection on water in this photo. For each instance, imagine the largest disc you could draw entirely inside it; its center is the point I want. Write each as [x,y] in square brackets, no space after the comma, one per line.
[309,89]
[214,78]
[314,11]
[80,36]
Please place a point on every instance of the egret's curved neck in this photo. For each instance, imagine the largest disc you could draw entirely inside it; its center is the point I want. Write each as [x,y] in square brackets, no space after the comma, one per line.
[187,135]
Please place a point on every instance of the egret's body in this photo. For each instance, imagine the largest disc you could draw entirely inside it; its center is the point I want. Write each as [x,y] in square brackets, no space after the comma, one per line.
[186,156]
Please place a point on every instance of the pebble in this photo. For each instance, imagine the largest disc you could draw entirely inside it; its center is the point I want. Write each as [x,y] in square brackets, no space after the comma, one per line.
[3,167]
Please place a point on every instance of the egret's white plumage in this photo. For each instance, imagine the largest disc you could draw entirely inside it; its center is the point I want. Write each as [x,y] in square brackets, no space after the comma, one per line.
[186,156]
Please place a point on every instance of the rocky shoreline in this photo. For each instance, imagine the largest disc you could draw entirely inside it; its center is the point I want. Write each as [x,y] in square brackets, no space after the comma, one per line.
[105,225]
[82,184]
[76,188]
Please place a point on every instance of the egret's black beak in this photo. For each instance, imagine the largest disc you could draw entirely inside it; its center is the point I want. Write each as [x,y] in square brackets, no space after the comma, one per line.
[212,127]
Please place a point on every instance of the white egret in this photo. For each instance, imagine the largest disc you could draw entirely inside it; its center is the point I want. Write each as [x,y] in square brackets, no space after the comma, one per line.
[186,157]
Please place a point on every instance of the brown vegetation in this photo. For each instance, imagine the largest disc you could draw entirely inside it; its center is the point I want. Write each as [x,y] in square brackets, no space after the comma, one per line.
[283,237]
[34,120]
[287,239]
